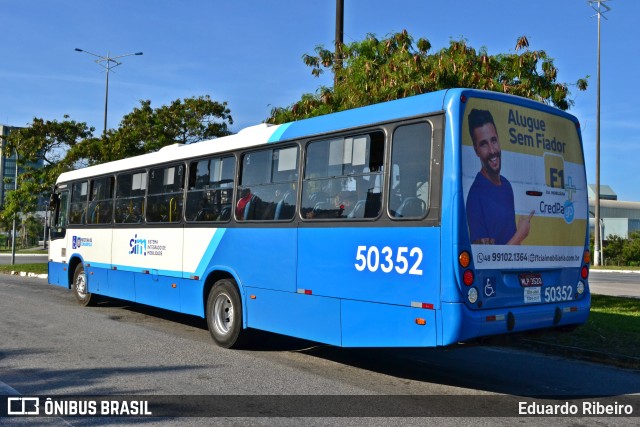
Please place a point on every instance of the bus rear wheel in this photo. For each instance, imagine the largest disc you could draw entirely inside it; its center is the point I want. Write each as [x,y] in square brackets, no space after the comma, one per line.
[224,314]
[80,288]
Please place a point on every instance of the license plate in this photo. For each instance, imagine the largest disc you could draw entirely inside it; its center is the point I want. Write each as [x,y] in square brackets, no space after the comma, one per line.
[530,279]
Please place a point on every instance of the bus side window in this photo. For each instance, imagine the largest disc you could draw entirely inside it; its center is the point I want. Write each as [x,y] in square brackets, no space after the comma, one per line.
[78,208]
[129,205]
[410,171]
[164,198]
[267,190]
[343,178]
[210,187]
[101,201]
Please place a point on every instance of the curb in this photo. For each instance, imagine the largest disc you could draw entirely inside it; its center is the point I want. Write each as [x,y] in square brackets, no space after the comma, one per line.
[621,361]
[25,274]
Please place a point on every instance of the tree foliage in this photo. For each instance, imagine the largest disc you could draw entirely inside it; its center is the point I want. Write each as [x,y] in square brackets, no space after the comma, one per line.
[44,143]
[631,250]
[146,129]
[373,70]
[619,251]
[66,145]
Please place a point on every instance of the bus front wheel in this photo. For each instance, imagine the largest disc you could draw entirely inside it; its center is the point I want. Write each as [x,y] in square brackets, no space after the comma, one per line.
[224,314]
[79,287]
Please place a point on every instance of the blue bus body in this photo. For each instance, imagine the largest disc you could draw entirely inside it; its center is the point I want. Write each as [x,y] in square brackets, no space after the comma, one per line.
[376,282]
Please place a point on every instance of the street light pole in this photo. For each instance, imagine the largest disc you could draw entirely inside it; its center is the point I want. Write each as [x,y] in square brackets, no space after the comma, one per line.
[108,63]
[339,40]
[597,237]
[13,228]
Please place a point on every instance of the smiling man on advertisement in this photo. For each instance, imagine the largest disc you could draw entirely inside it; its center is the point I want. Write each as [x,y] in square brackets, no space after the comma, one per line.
[490,205]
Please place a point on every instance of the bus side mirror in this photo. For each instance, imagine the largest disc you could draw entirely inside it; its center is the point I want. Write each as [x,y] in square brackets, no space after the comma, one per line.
[54,199]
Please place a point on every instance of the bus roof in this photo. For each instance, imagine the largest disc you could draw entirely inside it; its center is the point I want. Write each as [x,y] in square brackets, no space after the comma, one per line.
[265,133]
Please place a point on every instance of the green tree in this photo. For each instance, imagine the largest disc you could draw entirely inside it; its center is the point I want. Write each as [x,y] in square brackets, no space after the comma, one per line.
[373,71]
[631,249]
[44,143]
[146,129]
[613,249]
[66,145]
[30,231]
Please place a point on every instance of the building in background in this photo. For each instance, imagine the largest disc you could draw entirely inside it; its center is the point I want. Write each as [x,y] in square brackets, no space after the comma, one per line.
[616,217]
[8,164]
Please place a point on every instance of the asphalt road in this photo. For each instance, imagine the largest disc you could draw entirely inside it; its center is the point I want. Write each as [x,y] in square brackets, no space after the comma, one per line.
[51,346]
[615,284]
[5,258]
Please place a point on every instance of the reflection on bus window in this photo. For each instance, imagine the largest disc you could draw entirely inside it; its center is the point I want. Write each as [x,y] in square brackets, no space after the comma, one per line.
[267,190]
[210,189]
[101,201]
[130,197]
[78,208]
[410,160]
[343,178]
[164,199]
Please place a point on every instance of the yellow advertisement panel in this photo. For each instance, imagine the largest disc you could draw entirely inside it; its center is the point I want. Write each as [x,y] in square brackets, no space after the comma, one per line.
[524,186]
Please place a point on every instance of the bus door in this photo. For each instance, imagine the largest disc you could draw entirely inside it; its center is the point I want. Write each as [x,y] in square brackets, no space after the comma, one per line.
[59,205]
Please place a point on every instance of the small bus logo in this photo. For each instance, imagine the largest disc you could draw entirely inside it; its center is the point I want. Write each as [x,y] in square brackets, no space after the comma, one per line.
[138,246]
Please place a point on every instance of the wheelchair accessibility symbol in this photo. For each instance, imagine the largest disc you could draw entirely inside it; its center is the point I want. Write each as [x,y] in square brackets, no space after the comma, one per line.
[489,287]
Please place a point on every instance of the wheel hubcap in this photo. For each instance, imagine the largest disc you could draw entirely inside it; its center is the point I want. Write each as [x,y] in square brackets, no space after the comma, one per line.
[81,286]
[223,314]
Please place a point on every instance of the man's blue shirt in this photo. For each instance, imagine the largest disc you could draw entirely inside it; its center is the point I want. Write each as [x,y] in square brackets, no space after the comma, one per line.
[490,210]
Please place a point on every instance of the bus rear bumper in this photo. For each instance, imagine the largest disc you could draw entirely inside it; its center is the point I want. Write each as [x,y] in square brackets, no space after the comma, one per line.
[479,323]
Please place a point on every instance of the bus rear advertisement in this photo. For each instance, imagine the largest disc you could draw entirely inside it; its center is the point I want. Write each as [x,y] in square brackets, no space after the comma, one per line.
[425,221]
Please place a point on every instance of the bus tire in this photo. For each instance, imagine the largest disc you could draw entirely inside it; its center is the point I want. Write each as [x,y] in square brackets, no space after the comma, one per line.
[224,314]
[79,287]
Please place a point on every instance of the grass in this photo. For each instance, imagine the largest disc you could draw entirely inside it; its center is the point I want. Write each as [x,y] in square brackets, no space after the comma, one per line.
[38,268]
[613,326]
[38,251]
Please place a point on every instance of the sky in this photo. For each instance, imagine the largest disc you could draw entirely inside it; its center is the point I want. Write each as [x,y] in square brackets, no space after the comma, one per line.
[248,53]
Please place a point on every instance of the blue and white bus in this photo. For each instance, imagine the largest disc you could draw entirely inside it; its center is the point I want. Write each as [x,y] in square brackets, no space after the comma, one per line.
[424,221]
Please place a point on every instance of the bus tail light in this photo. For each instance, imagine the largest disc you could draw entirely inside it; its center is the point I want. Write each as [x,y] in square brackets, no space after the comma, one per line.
[464,259]
[586,257]
[467,277]
[584,272]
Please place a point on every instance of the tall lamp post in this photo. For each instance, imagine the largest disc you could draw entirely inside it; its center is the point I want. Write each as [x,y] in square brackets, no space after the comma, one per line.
[339,39]
[13,228]
[108,63]
[600,7]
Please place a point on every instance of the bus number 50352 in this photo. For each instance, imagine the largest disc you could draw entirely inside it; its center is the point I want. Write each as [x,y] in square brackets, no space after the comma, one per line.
[405,260]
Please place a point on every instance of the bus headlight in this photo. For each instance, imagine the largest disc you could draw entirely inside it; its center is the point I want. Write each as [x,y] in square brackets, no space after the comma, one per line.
[472,295]
[580,288]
